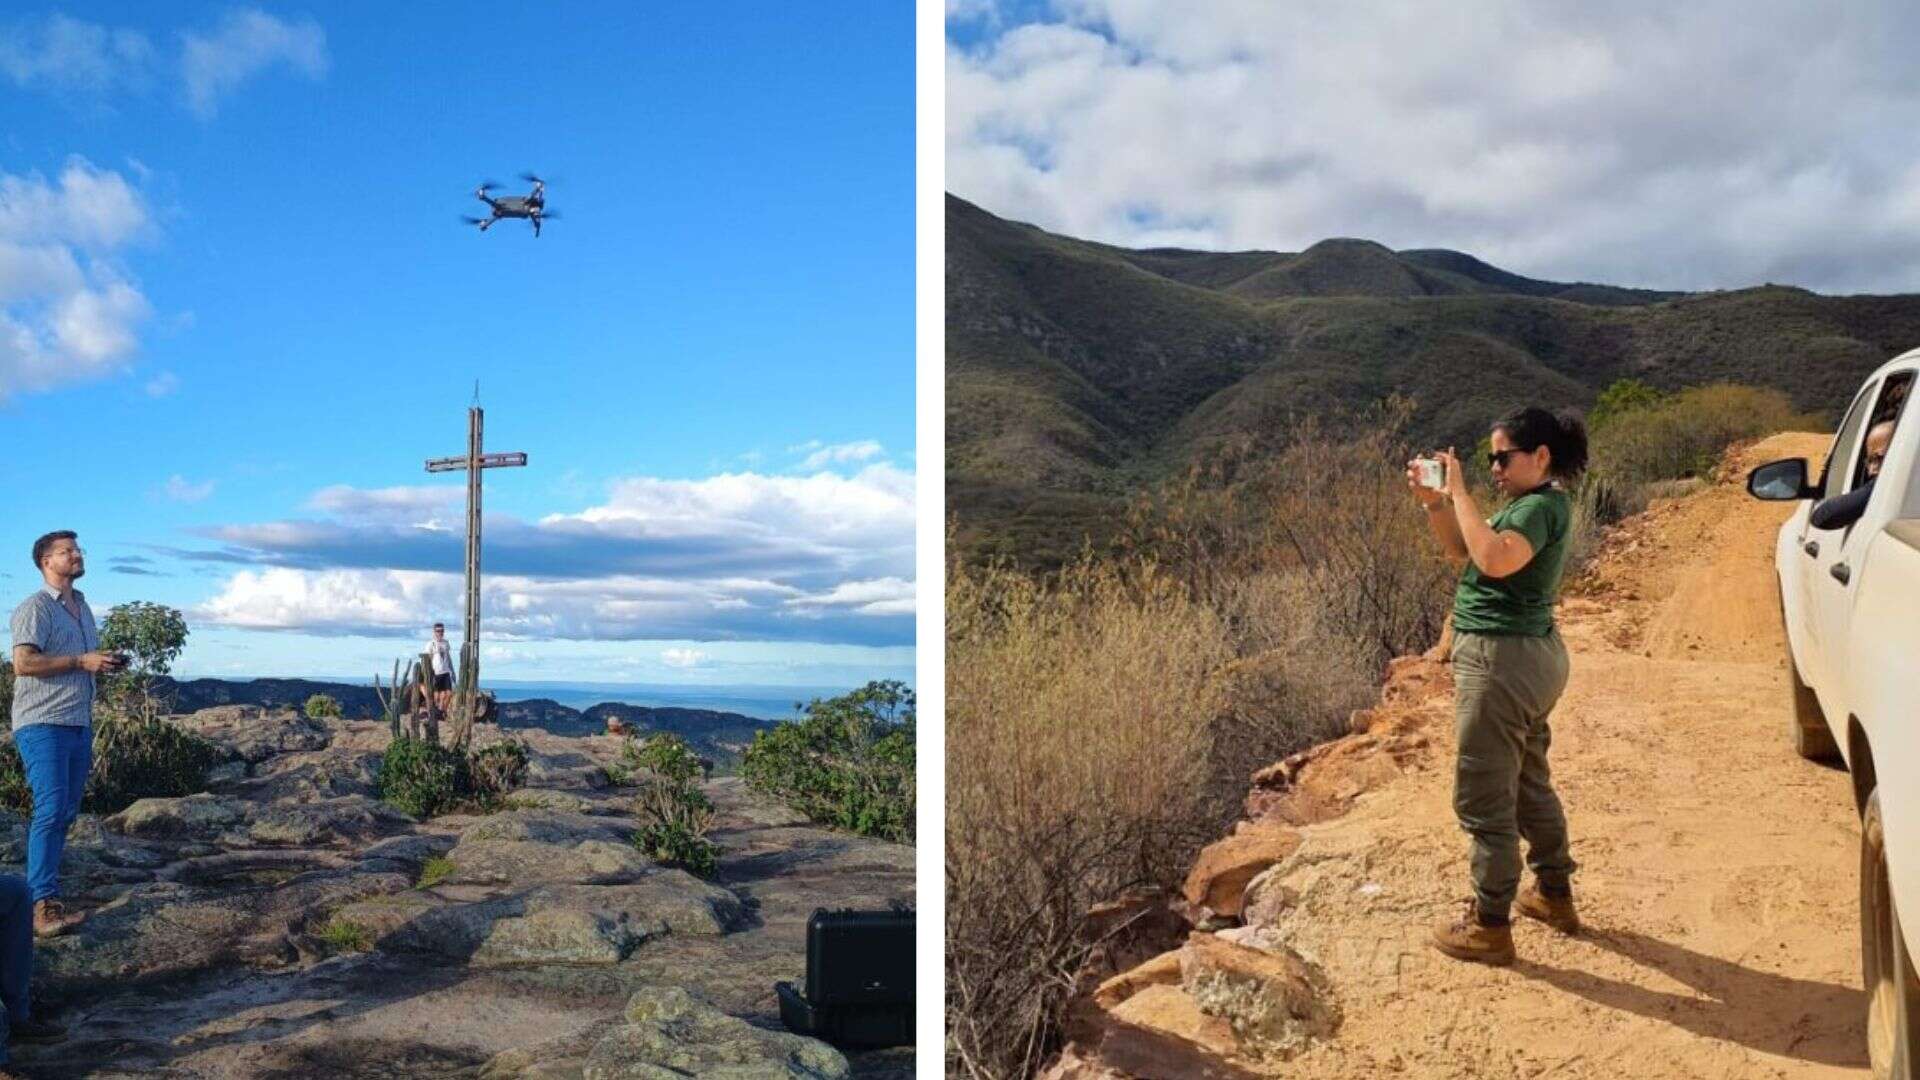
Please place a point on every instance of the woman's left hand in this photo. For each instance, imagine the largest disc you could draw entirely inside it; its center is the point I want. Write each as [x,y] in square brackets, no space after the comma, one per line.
[1456,481]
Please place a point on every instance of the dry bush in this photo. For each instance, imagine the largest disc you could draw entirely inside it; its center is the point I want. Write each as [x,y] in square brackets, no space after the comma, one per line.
[1078,714]
[1333,502]
[1298,677]
[1685,434]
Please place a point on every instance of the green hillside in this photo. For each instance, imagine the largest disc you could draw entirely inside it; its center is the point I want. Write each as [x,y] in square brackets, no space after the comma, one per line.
[1077,371]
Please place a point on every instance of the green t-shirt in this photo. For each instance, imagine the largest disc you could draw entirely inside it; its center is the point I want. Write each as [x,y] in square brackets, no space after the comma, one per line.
[1521,603]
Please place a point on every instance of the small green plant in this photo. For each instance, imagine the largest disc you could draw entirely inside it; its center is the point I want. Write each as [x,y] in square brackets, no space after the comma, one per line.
[675,843]
[420,778]
[848,763]
[322,707]
[435,870]
[497,769]
[344,935]
[674,813]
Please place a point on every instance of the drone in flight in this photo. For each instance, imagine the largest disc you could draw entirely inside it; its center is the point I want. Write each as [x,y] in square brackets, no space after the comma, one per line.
[531,206]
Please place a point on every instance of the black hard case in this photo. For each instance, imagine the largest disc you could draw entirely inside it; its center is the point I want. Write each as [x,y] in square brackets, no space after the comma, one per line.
[860,957]
[859,985]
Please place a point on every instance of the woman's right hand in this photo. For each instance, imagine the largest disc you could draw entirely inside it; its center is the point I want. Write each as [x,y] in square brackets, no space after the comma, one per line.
[1428,497]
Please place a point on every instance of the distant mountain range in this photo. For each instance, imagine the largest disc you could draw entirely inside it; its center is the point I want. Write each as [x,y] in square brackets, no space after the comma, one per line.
[1078,371]
[718,736]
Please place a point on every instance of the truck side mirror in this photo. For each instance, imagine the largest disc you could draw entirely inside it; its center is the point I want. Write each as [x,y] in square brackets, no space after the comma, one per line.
[1780,481]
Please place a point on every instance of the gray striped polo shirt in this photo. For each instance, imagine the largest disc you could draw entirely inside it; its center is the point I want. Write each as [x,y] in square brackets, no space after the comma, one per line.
[43,622]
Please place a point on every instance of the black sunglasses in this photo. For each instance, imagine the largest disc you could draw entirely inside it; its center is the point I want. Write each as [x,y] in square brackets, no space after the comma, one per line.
[1499,457]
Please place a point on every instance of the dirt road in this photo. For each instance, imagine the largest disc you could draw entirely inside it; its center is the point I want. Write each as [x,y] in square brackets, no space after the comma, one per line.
[1718,871]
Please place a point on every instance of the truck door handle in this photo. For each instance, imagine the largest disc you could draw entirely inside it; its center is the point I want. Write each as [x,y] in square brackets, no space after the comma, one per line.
[1811,547]
[1840,572]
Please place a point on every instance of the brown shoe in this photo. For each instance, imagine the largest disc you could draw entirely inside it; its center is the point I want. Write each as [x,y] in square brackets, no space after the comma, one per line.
[51,918]
[1555,911]
[1463,938]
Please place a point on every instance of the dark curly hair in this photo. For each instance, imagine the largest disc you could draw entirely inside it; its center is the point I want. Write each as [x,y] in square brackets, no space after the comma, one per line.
[1563,434]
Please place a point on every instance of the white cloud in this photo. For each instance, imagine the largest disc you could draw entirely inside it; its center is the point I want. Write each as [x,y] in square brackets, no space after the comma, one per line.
[163,384]
[839,453]
[68,312]
[740,556]
[246,43]
[64,53]
[683,658]
[880,596]
[1702,145]
[179,489]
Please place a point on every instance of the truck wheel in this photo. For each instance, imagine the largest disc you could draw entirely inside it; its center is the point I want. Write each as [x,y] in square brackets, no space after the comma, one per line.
[1812,738]
[1893,990]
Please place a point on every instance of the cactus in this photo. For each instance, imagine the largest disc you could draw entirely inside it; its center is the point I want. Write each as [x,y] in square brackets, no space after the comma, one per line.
[393,705]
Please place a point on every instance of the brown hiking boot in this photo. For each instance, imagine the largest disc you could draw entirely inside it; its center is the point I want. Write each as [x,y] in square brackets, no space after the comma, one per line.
[1463,938]
[1555,911]
[51,919]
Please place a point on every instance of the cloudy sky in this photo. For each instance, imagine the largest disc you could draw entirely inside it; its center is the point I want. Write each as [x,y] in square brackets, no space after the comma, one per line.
[1716,144]
[238,313]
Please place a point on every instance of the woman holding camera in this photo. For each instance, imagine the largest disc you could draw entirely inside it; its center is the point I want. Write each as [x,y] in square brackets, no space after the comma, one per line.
[1509,668]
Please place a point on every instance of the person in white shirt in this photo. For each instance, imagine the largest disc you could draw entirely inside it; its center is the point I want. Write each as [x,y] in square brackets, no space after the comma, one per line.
[440,656]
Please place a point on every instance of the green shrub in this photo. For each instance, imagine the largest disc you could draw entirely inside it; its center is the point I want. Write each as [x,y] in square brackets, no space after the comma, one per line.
[675,843]
[1623,396]
[322,707]
[132,760]
[152,635]
[674,813]
[848,763]
[422,778]
[6,694]
[137,759]
[497,769]
[14,793]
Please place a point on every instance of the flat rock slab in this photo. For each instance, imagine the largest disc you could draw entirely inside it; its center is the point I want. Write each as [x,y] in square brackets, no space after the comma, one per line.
[201,817]
[168,930]
[666,1033]
[549,924]
[253,733]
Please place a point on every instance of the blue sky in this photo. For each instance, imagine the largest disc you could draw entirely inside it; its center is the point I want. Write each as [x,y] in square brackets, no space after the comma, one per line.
[238,312]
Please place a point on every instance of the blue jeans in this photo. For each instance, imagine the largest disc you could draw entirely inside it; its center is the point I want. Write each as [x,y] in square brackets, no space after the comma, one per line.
[16,951]
[57,757]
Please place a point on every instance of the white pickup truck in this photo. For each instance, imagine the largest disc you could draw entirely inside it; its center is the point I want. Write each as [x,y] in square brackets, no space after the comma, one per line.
[1850,596]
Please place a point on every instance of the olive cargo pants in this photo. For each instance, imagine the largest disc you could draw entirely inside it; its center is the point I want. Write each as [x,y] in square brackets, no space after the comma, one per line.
[1504,687]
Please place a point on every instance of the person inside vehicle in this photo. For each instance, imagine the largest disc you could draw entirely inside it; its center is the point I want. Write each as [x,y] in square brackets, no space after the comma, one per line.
[1843,510]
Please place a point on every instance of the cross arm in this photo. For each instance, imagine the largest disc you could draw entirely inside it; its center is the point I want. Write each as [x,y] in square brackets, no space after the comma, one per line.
[487,461]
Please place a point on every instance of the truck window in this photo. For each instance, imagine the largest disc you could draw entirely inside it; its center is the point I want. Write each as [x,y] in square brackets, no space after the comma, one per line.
[1846,446]
[1886,409]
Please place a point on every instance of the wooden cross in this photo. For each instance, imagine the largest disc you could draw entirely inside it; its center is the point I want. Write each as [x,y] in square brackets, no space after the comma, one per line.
[473,461]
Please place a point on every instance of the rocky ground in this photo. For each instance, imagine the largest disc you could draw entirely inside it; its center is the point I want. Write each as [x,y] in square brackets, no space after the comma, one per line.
[1718,871]
[277,926]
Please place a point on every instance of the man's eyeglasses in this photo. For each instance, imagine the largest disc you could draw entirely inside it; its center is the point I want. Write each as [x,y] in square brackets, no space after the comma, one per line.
[1498,458]
[69,551]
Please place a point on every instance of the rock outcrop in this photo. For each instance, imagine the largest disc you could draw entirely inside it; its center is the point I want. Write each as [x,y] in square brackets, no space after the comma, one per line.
[289,923]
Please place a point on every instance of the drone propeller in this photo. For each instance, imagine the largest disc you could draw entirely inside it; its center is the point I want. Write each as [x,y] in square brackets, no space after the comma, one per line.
[472,220]
[549,215]
[489,185]
[531,179]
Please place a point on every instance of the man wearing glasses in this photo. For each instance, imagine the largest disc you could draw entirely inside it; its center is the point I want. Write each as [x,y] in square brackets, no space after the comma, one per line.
[56,654]
[1843,510]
